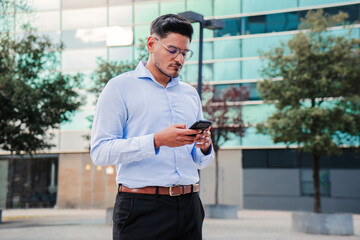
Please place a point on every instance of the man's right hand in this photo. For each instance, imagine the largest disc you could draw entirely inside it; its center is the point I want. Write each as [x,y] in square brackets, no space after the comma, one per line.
[175,136]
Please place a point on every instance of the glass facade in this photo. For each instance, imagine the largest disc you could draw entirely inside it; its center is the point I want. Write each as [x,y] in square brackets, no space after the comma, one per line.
[113,29]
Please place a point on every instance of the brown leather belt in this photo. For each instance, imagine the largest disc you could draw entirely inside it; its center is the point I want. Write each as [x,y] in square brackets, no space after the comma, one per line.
[171,191]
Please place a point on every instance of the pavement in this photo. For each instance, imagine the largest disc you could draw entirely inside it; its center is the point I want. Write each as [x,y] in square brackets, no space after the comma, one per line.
[79,224]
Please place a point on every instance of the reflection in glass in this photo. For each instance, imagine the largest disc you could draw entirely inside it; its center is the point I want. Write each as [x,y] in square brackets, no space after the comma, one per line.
[45,5]
[227,49]
[253,92]
[43,21]
[278,22]
[227,71]
[118,2]
[207,51]
[250,6]
[141,32]
[227,7]
[84,38]
[120,15]
[82,59]
[146,12]
[119,36]
[71,4]
[257,113]
[305,3]
[208,33]
[232,28]
[203,7]
[252,46]
[121,53]
[84,18]
[172,7]
[251,69]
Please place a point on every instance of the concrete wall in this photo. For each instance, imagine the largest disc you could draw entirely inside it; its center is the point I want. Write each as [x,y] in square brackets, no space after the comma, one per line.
[83,185]
[279,189]
[230,179]
[4,166]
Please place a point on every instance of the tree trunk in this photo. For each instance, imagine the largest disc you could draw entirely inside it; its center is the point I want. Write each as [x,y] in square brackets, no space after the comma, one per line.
[316,179]
[10,185]
[216,179]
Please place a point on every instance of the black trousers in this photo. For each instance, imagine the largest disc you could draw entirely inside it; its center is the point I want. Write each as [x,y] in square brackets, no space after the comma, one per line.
[157,217]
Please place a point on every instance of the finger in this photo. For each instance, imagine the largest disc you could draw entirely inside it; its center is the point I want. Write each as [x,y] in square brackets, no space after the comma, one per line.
[180,125]
[191,131]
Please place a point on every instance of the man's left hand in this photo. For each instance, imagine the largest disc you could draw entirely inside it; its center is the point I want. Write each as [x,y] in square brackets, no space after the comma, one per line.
[203,141]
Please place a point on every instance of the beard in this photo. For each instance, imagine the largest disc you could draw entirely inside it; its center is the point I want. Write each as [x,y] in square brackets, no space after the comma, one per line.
[167,73]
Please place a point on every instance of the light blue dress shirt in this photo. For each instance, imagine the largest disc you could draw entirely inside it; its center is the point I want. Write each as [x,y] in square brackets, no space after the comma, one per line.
[130,110]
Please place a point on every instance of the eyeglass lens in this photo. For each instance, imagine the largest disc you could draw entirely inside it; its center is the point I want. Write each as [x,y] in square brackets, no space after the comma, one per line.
[174,51]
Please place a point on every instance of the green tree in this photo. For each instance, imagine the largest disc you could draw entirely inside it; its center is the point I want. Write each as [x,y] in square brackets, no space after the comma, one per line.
[313,82]
[35,96]
[223,109]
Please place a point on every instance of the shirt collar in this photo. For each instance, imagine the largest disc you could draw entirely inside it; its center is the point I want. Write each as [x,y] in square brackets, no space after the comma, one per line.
[142,72]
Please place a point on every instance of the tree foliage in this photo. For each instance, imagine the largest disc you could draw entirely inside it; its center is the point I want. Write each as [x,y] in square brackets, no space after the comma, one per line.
[34,96]
[317,98]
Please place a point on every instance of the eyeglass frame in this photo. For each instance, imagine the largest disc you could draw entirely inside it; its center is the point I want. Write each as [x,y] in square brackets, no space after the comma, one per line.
[179,50]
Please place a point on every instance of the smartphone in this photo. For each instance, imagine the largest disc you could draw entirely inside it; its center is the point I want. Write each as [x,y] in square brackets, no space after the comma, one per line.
[201,124]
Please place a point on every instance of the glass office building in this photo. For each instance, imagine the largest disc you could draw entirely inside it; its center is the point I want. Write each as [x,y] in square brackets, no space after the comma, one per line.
[113,29]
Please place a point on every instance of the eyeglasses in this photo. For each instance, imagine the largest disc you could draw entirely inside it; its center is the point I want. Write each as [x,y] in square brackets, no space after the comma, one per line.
[175,51]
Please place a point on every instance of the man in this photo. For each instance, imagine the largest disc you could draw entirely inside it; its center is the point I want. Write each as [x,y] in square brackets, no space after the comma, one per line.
[140,126]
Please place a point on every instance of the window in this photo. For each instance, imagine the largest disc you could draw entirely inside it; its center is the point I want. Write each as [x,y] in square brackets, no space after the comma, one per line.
[40,5]
[203,7]
[255,158]
[251,68]
[251,46]
[277,22]
[146,12]
[227,49]
[250,6]
[207,51]
[82,59]
[71,4]
[84,38]
[84,18]
[305,3]
[307,182]
[141,32]
[227,7]
[227,71]
[257,113]
[121,53]
[43,21]
[232,28]
[172,7]
[120,15]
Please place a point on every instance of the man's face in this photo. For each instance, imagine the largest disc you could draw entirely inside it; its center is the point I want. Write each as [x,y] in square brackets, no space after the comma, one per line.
[166,64]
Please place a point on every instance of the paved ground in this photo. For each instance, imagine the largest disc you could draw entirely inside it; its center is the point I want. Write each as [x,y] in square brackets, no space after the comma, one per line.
[52,224]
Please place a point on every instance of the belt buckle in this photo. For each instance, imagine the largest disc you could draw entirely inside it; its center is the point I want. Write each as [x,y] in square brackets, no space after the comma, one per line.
[171,192]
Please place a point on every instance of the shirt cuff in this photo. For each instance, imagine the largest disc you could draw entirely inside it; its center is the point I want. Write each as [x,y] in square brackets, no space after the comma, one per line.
[202,159]
[147,146]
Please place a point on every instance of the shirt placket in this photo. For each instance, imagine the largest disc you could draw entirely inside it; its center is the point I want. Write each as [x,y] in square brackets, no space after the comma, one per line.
[173,121]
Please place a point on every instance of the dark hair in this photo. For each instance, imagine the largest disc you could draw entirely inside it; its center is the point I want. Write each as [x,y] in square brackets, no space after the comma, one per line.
[171,23]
